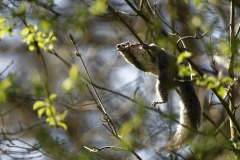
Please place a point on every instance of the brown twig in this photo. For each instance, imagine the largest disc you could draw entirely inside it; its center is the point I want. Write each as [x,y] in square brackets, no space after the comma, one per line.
[99,104]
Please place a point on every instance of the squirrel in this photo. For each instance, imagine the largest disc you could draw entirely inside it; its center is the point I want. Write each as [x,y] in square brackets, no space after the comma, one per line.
[155,60]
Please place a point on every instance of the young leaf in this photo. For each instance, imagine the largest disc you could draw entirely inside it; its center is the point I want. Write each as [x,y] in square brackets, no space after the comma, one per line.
[38,104]
[25,31]
[51,121]
[74,73]
[50,111]
[52,97]
[41,111]
[63,115]
[98,7]
[63,125]
[67,85]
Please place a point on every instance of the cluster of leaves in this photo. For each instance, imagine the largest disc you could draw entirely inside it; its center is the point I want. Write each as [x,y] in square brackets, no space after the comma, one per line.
[53,118]
[210,82]
[184,70]
[4,28]
[215,83]
[46,106]
[4,88]
[35,38]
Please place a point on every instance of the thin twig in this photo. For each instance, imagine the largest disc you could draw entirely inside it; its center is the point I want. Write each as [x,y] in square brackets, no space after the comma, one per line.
[6,67]
[237,32]
[101,107]
[120,18]
[89,78]
[191,37]
[57,55]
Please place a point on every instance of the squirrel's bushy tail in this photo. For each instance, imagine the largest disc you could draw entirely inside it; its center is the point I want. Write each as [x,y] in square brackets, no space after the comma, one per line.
[190,117]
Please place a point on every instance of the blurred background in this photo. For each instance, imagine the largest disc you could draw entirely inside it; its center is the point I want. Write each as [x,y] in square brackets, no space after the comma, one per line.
[96,29]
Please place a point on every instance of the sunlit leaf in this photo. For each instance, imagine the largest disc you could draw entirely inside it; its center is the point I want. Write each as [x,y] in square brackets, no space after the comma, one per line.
[63,125]
[25,31]
[196,21]
[45,25]
[38,104]
[63,115]
[67,85]
[31,47]
[74,73]
[53,38]
[224,48]
[51,121]
[50,47]
[52,97]
[50,111]
[98,7]
[221,91]
[6,83]
[227,80]
[41,111]
[22,9]
[183,56]
[2,20]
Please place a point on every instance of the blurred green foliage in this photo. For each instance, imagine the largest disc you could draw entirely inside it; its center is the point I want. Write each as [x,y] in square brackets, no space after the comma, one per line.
[35,38]
[5,88]
[54,119]
[4,28]
[98,7]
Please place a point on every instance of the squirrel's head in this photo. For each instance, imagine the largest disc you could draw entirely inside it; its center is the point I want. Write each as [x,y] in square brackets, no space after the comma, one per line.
[142,56]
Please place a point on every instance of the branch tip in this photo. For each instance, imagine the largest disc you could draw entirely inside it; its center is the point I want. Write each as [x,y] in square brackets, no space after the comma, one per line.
[72,39]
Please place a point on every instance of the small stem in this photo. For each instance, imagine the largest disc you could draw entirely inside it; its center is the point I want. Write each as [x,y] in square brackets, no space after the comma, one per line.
[233,50]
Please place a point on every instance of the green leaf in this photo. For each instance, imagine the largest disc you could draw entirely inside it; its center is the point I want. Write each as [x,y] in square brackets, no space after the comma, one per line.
[22,9]
[224,48]
[3,30]
[221,91]
[183,56]
[45,24]
[38,104]
[31,47]
[67,85]
[196,21]
[2,20]
[63,125]
[63,115]
[50,111]
[41,111]
[5,84]
[98,7]
[51,121]
[2,97]
[227,80]
[74,73]
[35,28]
[25,31]
[50,47]
[52,97]
[41,44]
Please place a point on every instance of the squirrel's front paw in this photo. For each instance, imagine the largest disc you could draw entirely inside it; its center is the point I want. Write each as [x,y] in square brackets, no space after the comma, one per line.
[156,102]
